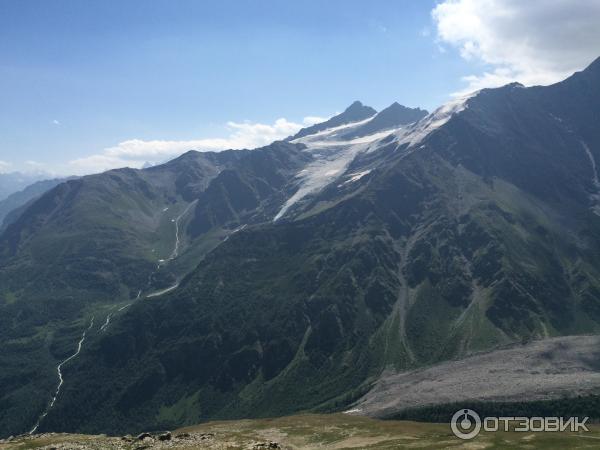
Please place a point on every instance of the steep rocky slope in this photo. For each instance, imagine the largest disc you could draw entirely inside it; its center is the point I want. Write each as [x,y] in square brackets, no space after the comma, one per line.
[473,228]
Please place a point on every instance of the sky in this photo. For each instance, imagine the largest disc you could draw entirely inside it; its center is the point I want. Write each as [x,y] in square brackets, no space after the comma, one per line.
[86,86]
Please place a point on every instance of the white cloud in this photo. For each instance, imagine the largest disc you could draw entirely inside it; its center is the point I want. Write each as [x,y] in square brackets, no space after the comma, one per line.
[4,166]
[137,152]
[532,41]
[56,122]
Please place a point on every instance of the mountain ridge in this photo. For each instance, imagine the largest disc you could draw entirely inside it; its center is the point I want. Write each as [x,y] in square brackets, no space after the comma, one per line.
[473,228]
[19,200]
[353,113]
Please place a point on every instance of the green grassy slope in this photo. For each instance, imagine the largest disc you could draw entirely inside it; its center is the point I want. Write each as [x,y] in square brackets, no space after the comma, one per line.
[92,245]
[483,235]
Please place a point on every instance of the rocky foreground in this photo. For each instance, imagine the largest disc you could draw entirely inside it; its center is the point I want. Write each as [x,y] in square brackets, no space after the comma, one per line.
[335,431]
[165,440]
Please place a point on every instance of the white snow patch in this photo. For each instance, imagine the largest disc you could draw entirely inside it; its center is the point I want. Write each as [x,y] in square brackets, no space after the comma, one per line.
[240,228]
[558,119]
[331,132]
[332,155]
[318,174]
[416,133]
[357,176]
[331,158]
[163,291]
[359,140]
[106,323]
[590,156]
[175,251]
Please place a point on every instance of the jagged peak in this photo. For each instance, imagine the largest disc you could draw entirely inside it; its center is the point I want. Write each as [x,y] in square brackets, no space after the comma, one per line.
[355,104]
[395,115]
[356,112]
[396,107]
[357,107]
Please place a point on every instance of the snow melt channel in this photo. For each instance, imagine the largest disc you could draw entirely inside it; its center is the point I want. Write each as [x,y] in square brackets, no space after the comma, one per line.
[60,377]
[595,181]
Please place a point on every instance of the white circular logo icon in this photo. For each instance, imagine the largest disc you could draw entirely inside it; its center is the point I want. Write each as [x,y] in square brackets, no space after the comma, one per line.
[465,424]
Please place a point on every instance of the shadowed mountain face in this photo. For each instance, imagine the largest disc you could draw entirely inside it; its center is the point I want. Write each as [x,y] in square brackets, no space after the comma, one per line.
[16,181]
[394,116]
[312,266]
[92,245]
[12,205]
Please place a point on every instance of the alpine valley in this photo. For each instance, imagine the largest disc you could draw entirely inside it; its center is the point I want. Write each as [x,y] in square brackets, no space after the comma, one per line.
[377,263]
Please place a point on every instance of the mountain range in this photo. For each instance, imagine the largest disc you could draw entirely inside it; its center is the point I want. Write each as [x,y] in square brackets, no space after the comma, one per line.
[12,182]
[17,201]
[298,276]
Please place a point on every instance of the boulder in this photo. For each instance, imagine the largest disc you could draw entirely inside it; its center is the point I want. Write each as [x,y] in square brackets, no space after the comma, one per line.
[143,436]
[165,436]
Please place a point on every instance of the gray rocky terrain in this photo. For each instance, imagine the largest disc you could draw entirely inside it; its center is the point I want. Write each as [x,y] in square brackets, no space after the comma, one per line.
[540,370]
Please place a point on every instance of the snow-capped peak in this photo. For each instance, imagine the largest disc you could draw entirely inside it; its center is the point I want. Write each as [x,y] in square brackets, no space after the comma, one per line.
[416,133]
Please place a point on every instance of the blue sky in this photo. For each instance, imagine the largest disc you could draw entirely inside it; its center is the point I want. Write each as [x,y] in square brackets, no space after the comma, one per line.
[80,77]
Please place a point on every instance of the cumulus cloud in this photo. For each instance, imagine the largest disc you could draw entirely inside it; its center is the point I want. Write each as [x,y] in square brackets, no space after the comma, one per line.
[4,166]
[137,152]
[533,41]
